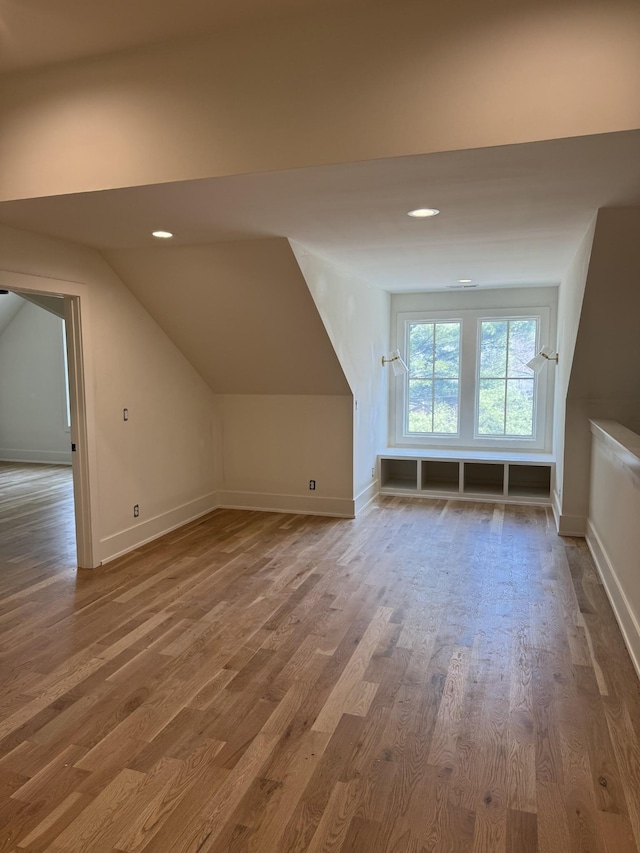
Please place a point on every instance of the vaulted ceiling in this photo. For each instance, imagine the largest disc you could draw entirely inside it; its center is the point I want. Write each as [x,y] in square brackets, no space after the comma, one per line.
[510,216]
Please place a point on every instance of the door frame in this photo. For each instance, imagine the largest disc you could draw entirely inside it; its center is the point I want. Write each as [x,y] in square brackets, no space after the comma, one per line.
[83,459]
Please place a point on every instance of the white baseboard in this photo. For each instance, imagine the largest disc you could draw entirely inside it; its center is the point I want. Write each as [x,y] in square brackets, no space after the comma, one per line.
[570,525]
[567,525]
[555,507]
[44,457]
[296,504]
[366,496]
[619,602]
[140,534]
[153,528]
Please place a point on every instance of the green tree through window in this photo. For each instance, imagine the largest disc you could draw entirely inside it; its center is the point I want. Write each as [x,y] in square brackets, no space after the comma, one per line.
[506,386]
[434,378]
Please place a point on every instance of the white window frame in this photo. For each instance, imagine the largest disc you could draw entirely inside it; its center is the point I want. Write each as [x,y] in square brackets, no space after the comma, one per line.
[467,438]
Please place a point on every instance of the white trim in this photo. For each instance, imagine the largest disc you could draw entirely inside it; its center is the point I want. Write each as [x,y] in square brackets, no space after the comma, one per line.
[620,441]
[153,528]
[572,525]
[84,458]
[296,504]
[66,407]
[556,507]
[84,461]
[624,614]
[531,457]
[138,535]
[43,457]
[366,496]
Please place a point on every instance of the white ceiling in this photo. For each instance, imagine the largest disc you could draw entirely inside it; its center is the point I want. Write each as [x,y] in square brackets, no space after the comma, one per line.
[41,32]
[510,216]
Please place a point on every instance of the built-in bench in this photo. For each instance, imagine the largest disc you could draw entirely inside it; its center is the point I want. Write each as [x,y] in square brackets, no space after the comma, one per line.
[524,478]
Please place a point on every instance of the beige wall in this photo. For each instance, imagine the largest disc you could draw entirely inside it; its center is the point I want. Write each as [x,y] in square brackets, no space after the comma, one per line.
[405,78]
[272,445]
[163,457]
[604,381]
[356,317]
[240,312]
[33,415]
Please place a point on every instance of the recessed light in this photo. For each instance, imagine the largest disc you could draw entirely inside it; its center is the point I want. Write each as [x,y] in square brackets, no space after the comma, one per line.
[423,212]
[162,235]
[464,281]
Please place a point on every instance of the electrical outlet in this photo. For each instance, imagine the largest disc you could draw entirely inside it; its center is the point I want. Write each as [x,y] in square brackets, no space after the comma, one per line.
[312,485]
[373,473]
[136,511]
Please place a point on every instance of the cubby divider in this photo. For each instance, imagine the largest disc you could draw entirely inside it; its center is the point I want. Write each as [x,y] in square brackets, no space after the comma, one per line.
[527,478]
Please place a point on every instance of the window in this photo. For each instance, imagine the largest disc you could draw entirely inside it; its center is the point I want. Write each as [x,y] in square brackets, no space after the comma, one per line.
[468,383]
[434,378]
[506,386]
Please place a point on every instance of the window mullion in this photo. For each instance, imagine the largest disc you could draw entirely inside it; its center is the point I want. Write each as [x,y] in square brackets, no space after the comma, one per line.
[433,379]
[506,379]
[467,382]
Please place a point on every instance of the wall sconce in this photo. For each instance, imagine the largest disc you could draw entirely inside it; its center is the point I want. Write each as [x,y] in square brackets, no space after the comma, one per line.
[545,355]
[397,364]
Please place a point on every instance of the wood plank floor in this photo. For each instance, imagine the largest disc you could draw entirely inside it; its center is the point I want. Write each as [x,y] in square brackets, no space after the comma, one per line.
[434,676]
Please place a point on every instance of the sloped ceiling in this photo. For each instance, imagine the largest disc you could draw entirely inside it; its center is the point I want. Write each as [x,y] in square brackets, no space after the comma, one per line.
[240,312]
[52,304]
[512,215]
[606,362]
[10,304]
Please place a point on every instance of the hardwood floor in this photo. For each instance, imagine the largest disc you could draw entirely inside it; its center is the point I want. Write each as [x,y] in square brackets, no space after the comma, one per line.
[36,515]
[434,676]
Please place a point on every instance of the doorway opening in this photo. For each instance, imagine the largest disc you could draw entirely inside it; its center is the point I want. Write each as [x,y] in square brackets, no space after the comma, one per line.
[63,459]
[36,512]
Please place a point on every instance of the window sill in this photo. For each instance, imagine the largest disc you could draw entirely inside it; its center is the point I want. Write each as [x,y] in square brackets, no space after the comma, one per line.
[462,454]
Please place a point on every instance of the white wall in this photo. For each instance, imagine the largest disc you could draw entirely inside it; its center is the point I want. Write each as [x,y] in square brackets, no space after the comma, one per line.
[613,532]
[32,389]
[356,317]
[10,304]
[570,298]
[332,87]
[163,458]
[272,445]
[481,298]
